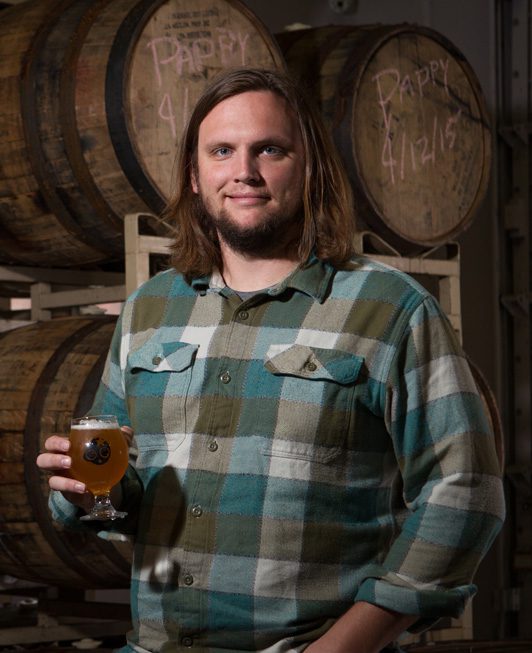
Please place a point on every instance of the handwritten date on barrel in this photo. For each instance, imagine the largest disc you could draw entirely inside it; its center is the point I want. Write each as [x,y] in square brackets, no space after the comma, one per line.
[403,154]
[413,138]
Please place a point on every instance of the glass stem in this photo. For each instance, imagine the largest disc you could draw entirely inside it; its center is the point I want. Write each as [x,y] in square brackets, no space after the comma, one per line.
[102,502]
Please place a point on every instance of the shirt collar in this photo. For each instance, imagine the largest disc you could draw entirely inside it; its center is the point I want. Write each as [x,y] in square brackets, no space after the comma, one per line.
[312,278]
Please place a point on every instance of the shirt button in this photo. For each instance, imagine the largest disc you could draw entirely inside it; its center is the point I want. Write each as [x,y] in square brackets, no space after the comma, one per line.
[225,377]
[197,511]
[187,641]
[311,367]
[188,579]
[213,446]
[156,360]
[243,315]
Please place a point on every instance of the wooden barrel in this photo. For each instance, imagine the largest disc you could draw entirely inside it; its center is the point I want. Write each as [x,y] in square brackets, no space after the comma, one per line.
[94,97]
[49,371]
[408,116]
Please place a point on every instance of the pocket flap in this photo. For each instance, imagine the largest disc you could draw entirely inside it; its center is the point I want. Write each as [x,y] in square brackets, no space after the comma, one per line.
[163,357]
[313,363]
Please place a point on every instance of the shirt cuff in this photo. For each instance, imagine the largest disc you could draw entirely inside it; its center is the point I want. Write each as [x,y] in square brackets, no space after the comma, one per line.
[63,511]
[431,604]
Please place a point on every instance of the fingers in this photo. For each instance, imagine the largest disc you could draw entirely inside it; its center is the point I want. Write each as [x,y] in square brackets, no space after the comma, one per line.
[66,484]
[57,443]
[55,458]
[55,461]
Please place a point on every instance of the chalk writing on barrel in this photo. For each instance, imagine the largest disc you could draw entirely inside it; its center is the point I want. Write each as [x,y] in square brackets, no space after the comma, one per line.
[167,113]
[423,150]
[192,57]
[411,84]
[400,148]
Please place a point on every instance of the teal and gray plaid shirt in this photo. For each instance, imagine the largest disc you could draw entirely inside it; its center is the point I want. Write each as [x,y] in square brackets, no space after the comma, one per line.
[320,443]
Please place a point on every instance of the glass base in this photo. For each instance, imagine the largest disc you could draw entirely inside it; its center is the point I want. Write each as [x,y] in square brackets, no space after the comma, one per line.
[104,515]
[103,510]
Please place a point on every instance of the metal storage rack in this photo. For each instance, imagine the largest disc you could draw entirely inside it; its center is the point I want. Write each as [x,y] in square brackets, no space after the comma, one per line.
[50,289]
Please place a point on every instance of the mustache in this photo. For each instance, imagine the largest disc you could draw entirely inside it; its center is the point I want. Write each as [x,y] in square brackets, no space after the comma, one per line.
[274,236]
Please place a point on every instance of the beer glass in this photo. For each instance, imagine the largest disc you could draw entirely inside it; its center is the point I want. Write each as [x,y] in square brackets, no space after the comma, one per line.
[99,453]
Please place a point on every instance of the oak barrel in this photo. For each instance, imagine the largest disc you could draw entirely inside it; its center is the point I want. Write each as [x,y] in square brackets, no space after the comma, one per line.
[408,116]
[49,371]
[94,97]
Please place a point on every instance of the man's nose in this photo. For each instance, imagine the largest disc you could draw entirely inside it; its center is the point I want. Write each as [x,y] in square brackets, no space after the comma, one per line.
[247,169]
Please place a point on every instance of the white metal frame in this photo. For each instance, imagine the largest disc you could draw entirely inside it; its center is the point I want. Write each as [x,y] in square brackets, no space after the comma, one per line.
[441,262]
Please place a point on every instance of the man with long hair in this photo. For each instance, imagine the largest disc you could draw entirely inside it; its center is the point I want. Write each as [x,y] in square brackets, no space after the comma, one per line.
[312,465]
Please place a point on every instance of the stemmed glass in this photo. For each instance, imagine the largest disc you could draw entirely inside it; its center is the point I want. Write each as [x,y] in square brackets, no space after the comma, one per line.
[99,453]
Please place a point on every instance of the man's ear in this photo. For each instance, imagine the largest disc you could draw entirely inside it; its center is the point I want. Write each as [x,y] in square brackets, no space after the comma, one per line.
[193,180]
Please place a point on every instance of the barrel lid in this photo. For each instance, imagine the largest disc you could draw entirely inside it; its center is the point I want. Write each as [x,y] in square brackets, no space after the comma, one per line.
[420,134]
[163,57]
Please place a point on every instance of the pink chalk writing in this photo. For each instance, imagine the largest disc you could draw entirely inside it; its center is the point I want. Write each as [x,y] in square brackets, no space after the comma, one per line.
[423,150]
[192,57]
[401,151]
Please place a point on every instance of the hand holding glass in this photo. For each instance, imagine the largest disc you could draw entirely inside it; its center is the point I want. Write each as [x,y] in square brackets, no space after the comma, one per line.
[99,453]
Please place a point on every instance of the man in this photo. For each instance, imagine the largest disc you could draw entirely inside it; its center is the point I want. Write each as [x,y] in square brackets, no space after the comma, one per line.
[312,468]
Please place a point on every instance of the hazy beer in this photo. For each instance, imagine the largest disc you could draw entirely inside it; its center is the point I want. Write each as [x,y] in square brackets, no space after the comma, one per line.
[99,453]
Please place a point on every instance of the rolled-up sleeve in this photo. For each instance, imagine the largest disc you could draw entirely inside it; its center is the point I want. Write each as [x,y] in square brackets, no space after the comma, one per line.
[451,477]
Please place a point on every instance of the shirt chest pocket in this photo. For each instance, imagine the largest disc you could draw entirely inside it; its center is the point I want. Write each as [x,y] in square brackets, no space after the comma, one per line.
[157,386]
[314,390]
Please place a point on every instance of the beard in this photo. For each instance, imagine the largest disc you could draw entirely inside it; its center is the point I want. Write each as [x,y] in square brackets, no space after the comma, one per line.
[276,235]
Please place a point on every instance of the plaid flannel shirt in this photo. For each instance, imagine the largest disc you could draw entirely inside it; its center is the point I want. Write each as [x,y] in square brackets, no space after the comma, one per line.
[318,444]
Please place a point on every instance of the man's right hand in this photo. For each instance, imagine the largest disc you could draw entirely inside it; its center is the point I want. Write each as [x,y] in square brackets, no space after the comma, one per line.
[56,462]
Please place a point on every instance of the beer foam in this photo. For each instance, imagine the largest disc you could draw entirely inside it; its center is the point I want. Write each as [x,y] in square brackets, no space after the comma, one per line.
[94,424]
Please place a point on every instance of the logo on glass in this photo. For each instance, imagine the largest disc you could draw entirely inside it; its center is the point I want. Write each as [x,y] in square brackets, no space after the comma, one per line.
[97,451]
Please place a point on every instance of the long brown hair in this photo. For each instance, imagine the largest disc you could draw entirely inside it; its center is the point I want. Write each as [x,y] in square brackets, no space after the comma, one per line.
[328,214]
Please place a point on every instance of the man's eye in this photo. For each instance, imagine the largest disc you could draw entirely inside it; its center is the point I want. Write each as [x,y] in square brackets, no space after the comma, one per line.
[272,150]
[222,151]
